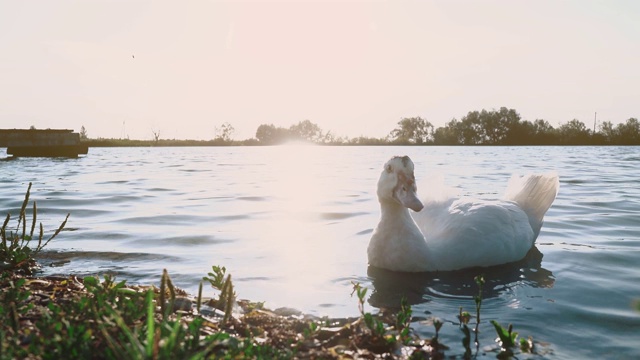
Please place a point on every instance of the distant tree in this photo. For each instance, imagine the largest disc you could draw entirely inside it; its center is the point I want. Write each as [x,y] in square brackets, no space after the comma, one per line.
[544,133]
[269,134]
[629,132]
[224,133]
[32,127]
[306,130]
[448,134]
[363,140]
[469,130]
[329,138]
[83,133]
[414,130]
[156,135]
[489,127]
[340,140]
[521,133]
[265,133]
[539,132]
[506,120]
[495,127]
[607,132]
[542,126]
[574,132]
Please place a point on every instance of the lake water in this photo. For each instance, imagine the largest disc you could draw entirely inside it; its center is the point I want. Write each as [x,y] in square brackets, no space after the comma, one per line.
[292,224]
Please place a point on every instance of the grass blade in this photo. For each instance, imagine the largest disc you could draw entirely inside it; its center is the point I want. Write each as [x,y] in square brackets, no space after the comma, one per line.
[23,208]
[33,221]
[150,324]
[3,231]
[163,291]
[54,234]
[199,303]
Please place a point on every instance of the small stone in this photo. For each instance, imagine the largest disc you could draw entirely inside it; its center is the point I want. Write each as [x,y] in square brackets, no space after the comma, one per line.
[285,311]
[182,303]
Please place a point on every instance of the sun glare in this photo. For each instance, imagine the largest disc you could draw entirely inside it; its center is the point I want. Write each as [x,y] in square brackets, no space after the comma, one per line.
[300,185]
[298,143]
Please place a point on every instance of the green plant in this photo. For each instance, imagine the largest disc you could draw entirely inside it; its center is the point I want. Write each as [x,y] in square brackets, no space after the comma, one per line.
[106,319]
[165,283]
[156,339]
[13,301]
[437,324]
[507,336]
[526,345]
[478,298]
[361,293]
[119,320]
[466,341]
[374,324]
[465,317]
[403,321]
[72,327]
[227,296]
[311,329]
[16,253]
[508,340]
[216,277]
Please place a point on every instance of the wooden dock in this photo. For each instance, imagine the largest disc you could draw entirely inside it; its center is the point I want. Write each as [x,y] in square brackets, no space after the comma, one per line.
[42,143]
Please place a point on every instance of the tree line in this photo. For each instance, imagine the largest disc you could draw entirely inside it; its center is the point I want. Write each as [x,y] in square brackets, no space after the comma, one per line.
[494,127]
[485,127]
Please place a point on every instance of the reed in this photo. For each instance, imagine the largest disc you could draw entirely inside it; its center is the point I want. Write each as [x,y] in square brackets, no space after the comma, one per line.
[16,251]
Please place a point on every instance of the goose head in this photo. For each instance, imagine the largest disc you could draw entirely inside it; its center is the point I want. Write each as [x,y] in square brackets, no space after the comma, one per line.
[397,184]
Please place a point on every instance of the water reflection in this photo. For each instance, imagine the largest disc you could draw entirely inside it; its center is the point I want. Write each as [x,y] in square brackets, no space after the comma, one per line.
[390,287]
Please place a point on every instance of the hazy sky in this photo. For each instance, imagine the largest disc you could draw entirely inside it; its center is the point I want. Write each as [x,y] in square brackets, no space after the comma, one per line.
[355,68]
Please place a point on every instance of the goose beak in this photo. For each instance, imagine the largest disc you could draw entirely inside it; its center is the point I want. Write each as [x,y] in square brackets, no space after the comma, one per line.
[405,193]
[409,200]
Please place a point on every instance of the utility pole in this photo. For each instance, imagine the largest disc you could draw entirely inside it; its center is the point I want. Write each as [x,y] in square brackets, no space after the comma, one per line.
[595,120]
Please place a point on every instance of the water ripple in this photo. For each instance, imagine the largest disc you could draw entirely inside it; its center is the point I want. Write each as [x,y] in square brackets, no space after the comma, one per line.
[297,235]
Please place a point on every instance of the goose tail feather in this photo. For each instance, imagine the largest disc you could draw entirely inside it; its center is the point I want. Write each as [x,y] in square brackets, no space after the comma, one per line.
[534,193]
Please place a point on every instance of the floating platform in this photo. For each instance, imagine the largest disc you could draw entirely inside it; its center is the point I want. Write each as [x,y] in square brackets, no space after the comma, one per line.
[42,143]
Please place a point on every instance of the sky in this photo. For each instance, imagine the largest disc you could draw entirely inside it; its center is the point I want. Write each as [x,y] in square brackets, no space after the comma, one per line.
[355,68]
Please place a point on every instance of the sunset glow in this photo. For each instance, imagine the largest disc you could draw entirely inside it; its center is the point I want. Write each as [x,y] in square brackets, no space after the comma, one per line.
[125,69]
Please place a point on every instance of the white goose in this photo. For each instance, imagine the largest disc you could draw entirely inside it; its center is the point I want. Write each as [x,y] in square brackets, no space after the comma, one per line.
[454,233]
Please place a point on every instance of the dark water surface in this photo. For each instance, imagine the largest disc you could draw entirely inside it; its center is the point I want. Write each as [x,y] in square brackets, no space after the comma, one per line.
[292,224]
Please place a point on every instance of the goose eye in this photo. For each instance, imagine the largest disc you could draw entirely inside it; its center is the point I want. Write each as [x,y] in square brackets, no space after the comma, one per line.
[389,169]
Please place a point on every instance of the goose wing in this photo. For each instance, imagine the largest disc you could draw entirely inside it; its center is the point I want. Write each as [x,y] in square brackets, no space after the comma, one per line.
[466,232]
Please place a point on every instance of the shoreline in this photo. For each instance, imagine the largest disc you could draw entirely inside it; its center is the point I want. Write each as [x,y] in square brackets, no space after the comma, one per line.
[283,333]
